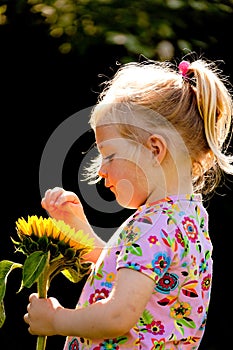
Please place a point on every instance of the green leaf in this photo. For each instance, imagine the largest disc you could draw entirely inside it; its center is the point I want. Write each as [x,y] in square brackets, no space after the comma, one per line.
[76,272]
[147,317]
[187,322]
[6,267]
[71,274]
[43,243]
[207,254]
[202,222]
[69,253]
[135,249]
[179,327]
[2,314]
[34,265]
[121,340]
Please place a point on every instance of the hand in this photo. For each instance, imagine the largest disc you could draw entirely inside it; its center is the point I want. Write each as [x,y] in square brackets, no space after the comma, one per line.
[41,315]
[66,206]
[63,205]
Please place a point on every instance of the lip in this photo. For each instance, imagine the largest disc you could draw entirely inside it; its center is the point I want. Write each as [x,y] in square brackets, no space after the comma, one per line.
[111,188]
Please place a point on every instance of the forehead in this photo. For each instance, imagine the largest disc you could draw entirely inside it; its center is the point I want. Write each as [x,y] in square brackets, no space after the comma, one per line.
[107,134]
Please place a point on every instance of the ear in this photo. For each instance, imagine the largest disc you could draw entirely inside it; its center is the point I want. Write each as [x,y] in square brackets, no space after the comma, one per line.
[158,147]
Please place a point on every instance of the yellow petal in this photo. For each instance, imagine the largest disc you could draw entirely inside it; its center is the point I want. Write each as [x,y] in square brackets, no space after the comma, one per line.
[55,229]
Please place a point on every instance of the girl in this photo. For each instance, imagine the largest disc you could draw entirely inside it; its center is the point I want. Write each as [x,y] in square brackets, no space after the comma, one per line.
[162,136]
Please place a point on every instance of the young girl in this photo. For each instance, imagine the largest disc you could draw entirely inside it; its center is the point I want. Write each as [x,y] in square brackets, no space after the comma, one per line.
[162,133]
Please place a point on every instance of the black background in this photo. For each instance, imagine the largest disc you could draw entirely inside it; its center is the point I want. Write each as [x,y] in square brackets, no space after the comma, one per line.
[39,89]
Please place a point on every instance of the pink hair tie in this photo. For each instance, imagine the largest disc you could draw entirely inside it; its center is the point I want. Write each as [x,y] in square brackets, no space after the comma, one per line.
[183,68]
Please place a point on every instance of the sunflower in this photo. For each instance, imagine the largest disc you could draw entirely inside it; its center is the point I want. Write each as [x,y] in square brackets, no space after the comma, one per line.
[47,234]
[51,247]
[47,239]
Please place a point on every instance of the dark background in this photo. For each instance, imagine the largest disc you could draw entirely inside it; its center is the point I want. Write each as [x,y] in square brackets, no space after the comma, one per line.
[40,88]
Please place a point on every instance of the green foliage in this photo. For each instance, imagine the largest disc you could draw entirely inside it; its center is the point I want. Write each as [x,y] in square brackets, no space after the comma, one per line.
[2,314]
[33,266]
[6,267]
[153,28]
[74,274]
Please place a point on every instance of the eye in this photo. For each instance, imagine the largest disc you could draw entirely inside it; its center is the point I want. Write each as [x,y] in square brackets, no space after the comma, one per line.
[109,158]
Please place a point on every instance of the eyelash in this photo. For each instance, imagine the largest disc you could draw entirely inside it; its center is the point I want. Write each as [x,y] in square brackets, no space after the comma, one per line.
[108,158]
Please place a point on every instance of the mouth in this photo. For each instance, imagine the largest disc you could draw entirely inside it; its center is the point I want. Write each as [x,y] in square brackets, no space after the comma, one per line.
[111,188]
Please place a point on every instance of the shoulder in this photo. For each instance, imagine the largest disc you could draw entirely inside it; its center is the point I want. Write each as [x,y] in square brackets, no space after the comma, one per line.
[164,220]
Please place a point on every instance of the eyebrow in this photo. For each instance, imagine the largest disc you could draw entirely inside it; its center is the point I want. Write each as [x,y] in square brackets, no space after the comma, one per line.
[101,145]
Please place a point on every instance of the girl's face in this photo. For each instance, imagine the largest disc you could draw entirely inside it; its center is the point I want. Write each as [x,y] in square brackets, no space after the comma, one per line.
[124,170]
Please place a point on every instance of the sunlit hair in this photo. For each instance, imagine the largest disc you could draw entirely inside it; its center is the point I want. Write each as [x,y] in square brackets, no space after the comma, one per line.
[197,106]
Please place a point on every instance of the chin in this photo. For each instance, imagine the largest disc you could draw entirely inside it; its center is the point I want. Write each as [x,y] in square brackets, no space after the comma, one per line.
[131,204]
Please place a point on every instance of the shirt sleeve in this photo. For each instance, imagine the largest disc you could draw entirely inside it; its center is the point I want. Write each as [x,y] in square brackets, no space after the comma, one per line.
[148,246]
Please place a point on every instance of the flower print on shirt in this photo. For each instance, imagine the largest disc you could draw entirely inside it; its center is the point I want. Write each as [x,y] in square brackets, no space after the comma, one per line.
[111,344]
[168,241]
[160,263]
[206,283]
[74,344]
[190,229]
[98,295]
[107,278]
[167,283]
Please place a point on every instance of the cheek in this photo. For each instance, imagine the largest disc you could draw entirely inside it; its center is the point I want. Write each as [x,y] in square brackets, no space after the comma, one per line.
[129,172]
[129,179]
[130,194]
[122,169]
[126,186]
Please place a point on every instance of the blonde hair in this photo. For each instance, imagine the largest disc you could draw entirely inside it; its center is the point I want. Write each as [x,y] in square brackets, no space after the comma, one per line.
[197,104]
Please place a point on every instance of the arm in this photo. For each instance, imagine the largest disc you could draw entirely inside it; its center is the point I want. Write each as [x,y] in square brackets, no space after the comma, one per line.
[66,206]
[107,318]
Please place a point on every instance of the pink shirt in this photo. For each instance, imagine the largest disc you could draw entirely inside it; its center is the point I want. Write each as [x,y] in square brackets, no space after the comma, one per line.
[168,241]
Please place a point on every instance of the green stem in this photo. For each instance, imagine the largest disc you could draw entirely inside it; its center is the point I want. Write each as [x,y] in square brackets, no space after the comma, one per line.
[42,288]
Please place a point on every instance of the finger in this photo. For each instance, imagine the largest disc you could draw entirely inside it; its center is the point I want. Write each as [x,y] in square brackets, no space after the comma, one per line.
[61,197]
[51,196]
[28,307]
[67,197]
[32,297]
[30,331]
[44,199]
[26,318]
[45,204]
[47,193]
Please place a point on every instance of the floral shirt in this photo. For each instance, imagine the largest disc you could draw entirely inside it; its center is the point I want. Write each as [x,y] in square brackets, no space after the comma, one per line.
[168,241]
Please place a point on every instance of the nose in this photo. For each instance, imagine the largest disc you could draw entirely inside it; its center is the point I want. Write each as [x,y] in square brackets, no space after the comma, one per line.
[102,171]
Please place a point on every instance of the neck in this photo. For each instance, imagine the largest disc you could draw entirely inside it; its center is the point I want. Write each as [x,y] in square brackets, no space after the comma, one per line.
[172,184]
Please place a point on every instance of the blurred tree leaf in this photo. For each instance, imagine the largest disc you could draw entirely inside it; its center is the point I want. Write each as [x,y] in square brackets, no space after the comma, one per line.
[153,28]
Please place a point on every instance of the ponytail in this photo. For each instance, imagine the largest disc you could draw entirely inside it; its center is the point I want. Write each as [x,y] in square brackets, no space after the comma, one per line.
[215,107]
